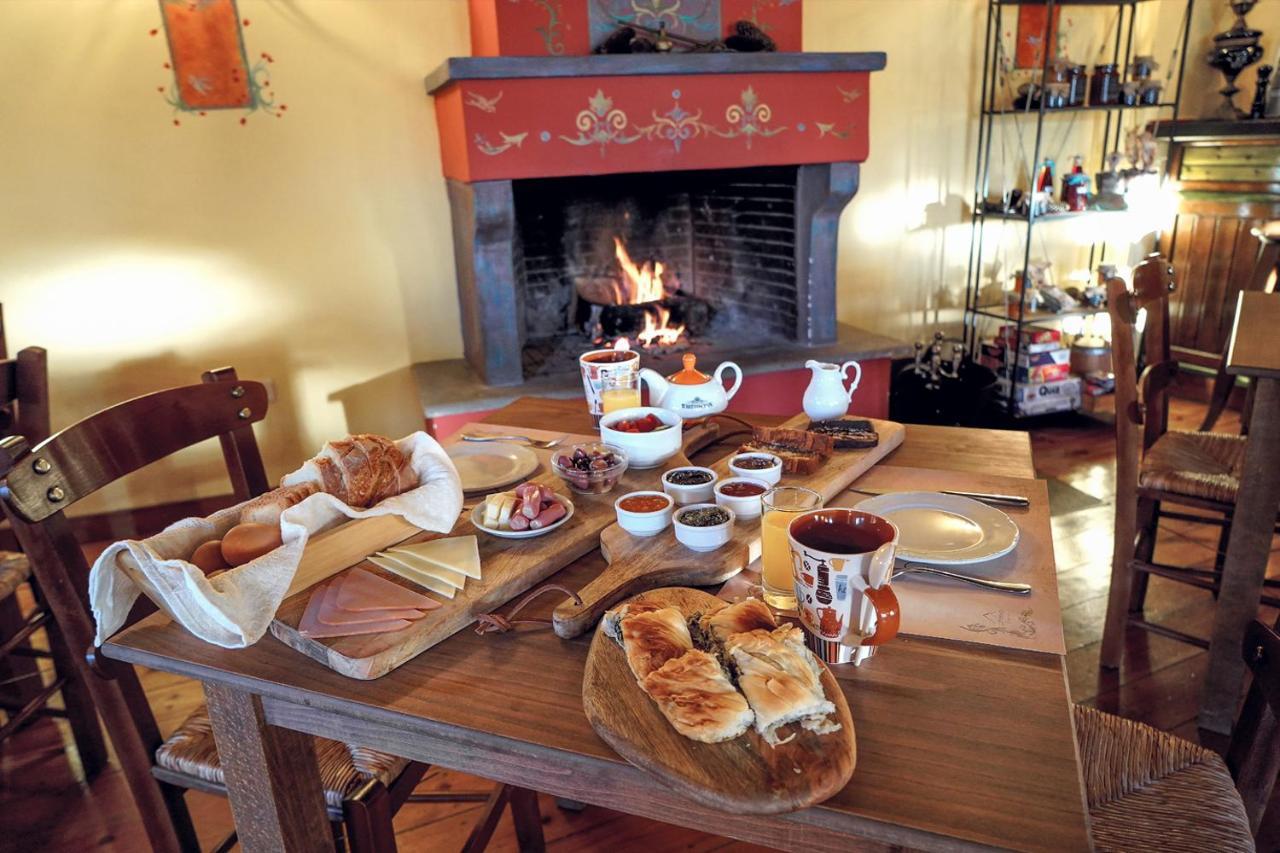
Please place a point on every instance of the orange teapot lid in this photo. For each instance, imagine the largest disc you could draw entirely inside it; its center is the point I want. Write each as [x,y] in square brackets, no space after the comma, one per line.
[689,375]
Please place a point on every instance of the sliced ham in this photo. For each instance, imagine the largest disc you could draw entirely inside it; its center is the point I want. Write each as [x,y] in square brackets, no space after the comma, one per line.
[362,590]
[312,626]
[331,614]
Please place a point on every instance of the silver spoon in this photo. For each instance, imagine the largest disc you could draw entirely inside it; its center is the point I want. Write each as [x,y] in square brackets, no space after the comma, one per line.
[998,586]
[532,442]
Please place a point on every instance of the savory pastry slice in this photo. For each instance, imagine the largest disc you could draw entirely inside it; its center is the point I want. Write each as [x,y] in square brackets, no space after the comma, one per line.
[746,615]
[695,695]
[649,636]
[781,680]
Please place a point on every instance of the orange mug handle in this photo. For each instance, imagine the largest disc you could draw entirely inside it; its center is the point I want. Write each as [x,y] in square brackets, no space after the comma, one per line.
[888,615]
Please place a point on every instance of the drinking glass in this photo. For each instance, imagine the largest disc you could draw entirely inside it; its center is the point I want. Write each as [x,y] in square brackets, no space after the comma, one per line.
[619,389]
[781,505]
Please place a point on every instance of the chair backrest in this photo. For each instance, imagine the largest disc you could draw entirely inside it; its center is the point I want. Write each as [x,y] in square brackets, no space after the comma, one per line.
[1142,412]
[1254,754]
[24,391]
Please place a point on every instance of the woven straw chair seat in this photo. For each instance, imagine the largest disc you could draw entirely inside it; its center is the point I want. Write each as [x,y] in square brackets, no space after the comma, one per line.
[1196,464]
[14,571]
[191,751]
[1149,790]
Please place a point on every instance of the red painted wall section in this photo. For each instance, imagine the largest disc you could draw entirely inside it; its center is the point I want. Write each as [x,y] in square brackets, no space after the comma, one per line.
[779,393]
[549,127]
[573,27]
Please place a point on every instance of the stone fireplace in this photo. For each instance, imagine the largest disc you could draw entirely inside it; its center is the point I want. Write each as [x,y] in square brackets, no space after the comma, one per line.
[666,202]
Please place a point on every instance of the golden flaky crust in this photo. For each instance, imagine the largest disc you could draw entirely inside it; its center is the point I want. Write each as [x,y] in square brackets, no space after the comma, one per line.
[746,615]
[652,638]
[697,698]
[781,680]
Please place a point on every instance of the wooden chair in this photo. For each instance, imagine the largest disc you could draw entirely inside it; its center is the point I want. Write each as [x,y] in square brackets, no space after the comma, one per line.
[24,697]
[1148,790]
[1156,465]
[1262,278]
[363,788]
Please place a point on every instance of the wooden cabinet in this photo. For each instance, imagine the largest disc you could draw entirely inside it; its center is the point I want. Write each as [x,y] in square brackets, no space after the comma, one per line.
[1229,178]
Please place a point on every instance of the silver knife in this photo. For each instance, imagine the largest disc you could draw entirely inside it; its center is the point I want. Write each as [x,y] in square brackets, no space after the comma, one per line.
[985,497]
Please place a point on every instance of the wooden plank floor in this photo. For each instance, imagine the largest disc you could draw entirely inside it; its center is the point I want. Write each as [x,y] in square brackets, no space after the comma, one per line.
[46,807]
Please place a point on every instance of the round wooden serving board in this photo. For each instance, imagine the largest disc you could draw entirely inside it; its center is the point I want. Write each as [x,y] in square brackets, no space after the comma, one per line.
[742,776]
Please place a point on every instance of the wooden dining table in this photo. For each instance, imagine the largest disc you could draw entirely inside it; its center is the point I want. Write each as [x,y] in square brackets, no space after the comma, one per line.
[960,746]
[1252,351]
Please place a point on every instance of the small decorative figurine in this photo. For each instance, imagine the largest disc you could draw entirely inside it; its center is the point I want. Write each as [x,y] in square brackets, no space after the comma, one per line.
[1259,108]
[1234,51]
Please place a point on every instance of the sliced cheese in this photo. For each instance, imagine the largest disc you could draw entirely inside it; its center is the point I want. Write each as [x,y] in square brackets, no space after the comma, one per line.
[449,576]
[396,567]
[458,553]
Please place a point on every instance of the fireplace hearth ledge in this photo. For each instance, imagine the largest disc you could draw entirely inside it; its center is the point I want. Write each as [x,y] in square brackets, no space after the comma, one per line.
[452,387]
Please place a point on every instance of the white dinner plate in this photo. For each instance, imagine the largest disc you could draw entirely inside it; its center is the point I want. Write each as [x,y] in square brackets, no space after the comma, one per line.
[485,466]
[478,513]
[944,530]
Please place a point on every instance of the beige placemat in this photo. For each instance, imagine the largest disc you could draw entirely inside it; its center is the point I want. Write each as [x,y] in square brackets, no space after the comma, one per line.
[937,607]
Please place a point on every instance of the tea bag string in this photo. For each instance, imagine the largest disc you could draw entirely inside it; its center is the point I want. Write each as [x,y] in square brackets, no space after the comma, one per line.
[496,623]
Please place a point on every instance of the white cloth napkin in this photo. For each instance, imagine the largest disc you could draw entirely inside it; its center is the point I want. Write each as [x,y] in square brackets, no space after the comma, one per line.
[235,608]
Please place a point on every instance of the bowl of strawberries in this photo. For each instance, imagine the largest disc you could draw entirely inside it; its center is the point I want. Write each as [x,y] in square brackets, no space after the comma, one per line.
[648,434]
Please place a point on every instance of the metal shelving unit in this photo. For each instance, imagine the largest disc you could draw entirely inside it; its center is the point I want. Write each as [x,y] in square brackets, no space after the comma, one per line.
[992,117]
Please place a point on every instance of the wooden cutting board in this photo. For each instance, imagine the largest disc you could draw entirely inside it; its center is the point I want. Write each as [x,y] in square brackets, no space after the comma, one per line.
[744,775]
[637,563]
[509,566]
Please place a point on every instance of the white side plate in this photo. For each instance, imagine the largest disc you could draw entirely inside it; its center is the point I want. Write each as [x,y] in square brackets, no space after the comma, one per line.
[486,466]
[477,515]
[944,530]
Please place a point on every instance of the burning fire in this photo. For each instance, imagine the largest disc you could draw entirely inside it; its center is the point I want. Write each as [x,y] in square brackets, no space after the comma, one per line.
[648,285]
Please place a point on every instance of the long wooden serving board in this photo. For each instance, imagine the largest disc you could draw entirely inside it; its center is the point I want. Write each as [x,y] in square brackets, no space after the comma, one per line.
[638,563]
[744,775]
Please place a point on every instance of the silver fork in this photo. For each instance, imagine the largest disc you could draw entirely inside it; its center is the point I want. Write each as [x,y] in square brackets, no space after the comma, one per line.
[532,442]
[998,586]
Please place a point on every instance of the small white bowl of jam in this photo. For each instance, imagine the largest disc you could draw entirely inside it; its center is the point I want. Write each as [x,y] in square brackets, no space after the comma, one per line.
[644,513]
[742,495]
[689,484]
[759,466]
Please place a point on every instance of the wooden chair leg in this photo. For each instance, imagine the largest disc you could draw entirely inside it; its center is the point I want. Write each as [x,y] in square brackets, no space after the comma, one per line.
[1144,550]
[19,674]
[77,698]
[1121,590]
[478,840]
[527,820]
[367,815]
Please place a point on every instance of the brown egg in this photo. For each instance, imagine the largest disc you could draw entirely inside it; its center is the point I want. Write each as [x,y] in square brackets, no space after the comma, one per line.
[208,557]
[249,540]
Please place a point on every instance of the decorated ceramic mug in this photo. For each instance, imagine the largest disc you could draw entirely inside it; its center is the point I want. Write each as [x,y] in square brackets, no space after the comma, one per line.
[835,553]
[598,364]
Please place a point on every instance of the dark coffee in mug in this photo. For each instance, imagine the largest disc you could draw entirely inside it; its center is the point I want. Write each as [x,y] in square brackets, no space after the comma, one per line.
[838,532]
[610,356]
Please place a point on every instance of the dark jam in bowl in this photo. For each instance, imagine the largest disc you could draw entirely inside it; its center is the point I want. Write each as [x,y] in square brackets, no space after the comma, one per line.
[705,516]
[742,490]
[753,463]
[688,478]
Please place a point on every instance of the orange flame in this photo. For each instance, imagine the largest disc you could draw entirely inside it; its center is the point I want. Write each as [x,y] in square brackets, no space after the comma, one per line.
[643,284]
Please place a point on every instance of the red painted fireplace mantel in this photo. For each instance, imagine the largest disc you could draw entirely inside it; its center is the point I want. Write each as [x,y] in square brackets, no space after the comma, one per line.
[504,118]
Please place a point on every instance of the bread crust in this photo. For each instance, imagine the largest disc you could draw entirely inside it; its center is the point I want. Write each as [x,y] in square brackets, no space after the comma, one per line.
[266,508]
[695,695]
[780,679]
[652,638]
[746,615]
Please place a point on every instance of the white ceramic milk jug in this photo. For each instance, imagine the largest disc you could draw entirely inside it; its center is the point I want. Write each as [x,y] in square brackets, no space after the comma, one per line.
[826,397]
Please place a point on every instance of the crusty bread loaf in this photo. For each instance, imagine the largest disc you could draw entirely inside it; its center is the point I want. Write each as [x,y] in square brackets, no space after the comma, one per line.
[793,461]
[361,470]
[266,509]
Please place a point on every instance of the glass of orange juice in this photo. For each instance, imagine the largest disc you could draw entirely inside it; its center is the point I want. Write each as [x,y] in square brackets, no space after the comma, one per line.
[781,505]
[619,390]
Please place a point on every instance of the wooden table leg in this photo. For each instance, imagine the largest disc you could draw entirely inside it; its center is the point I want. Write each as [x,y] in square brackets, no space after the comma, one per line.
[273,779]
[1247,552]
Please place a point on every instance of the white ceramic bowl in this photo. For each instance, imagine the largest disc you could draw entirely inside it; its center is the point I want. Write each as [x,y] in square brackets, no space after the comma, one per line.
[700,493]
[644,449]
[770,475]
[703,538]
[644,523]
[746,507]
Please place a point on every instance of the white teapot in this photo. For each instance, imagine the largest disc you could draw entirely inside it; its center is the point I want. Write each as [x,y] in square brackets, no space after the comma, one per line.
[690,393]
[826,397]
